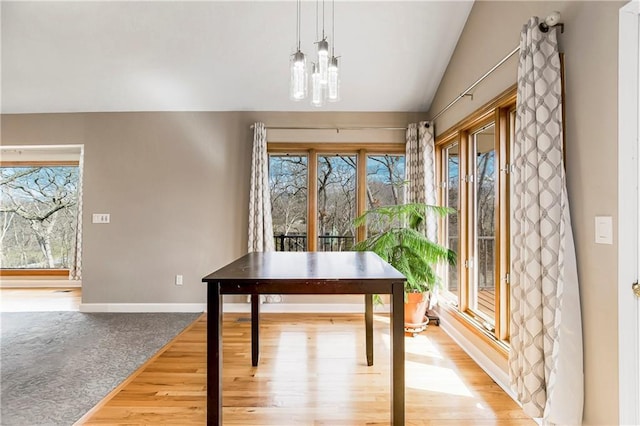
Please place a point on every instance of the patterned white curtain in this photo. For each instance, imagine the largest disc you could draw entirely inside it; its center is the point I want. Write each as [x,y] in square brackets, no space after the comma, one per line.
[545,361]
[260,226]
[75,272]
[420,170]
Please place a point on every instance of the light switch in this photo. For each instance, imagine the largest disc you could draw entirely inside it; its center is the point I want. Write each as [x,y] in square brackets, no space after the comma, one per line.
[101,218]
[604,230]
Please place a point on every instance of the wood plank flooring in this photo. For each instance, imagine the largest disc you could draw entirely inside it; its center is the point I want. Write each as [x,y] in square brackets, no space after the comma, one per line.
[312,372]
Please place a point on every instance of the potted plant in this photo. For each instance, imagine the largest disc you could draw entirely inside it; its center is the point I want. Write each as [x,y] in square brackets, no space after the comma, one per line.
[396,234]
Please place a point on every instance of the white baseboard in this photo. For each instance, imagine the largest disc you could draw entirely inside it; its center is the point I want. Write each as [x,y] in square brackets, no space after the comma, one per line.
[500,376]
[281,308]
[142,307]
[65,283]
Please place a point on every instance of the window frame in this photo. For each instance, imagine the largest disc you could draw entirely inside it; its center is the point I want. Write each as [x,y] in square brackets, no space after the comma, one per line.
[37,272]
[498,111]
[312,151]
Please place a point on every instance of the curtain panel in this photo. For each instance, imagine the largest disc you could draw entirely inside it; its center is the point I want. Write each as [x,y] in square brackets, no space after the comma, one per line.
[420,172]
[546,359]
[260,224]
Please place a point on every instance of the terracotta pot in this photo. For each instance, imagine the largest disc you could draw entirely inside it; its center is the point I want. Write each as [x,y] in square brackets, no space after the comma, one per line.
[415,309]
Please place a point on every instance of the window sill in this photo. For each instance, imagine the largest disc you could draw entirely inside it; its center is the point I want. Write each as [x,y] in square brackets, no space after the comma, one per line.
[475,327]
[34,273]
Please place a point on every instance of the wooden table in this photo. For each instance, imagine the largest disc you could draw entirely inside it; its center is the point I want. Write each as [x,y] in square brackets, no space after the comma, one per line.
[304,273]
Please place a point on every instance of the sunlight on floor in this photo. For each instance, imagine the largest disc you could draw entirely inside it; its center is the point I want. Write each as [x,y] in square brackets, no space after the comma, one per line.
[435,379]
[422,346]
[422,374]
[419,345]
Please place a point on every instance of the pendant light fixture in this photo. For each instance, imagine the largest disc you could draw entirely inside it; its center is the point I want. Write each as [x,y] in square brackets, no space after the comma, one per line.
[317,88]
[323,51]
[298,67]
[333,78]
[325,81]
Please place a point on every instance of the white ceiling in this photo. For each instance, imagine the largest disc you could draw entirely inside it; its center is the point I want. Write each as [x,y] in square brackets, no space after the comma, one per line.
[68,56]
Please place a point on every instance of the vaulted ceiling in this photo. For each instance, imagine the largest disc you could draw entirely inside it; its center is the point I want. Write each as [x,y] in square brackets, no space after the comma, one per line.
[69,56]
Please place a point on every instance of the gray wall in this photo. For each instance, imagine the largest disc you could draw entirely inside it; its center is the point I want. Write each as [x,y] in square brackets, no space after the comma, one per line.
[176,185]
[590,43]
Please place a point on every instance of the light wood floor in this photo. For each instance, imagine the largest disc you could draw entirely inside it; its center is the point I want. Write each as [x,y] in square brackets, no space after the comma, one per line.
[39,299]
[312,372]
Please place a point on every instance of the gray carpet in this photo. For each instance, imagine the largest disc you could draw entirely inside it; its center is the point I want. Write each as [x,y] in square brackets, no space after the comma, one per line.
[55,366]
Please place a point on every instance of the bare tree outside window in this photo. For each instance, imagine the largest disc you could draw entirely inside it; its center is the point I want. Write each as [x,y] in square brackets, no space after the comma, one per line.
[482,291]
[385,184]
[451,168]
[336,202]
[38,215]
[336,197]
[288,184]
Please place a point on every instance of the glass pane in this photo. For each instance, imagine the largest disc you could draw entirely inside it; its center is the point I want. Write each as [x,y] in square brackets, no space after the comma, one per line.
[336,202]
[38,215]
[385,180]
[450,199]
[288,183]
[482,291]
[385,183]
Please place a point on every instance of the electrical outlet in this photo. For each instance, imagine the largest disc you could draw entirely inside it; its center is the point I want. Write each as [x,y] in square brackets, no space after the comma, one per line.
[178,279]
[101,218]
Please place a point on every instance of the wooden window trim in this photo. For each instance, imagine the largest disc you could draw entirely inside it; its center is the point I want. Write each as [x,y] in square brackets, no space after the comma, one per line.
[312,197]
[495,111]
[470,208]
[38,163]
[312,150]
[361,192]
[10,272]
[34,272]
[476,328]
[485,112]
[333,148]
[463,232]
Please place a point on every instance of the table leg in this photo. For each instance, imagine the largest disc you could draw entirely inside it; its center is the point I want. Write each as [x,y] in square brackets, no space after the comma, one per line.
[214,354]
[368,320]
[255,329]
[397,354]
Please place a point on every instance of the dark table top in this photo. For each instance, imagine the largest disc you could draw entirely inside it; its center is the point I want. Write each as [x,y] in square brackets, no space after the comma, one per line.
[302,266]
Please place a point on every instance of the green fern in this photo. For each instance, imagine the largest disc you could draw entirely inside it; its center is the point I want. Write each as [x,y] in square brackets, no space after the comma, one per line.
[404,245]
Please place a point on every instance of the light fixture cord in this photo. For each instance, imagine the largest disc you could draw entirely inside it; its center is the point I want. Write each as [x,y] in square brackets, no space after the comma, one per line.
[333,28]
[298,23]
[323,19]
[317,4]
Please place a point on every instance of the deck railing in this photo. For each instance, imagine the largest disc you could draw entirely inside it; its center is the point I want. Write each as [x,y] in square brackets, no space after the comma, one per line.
[296,242]
[484,263]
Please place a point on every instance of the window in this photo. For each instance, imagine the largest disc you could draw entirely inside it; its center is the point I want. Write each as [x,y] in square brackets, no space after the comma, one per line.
[473,171]
[38,215]
[317,191]
[336,202]
[288,185]
[450,189]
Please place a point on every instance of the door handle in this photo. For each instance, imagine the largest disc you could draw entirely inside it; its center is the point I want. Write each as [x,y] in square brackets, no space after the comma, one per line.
[636,288]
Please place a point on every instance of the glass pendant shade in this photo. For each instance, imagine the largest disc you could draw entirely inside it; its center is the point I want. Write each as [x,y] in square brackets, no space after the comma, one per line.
[317,89]
[333,80]
[323,60]
[298,82]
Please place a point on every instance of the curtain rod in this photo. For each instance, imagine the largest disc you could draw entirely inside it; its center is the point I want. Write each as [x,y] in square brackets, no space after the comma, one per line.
[466,92]
[337,129]
[550,21]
